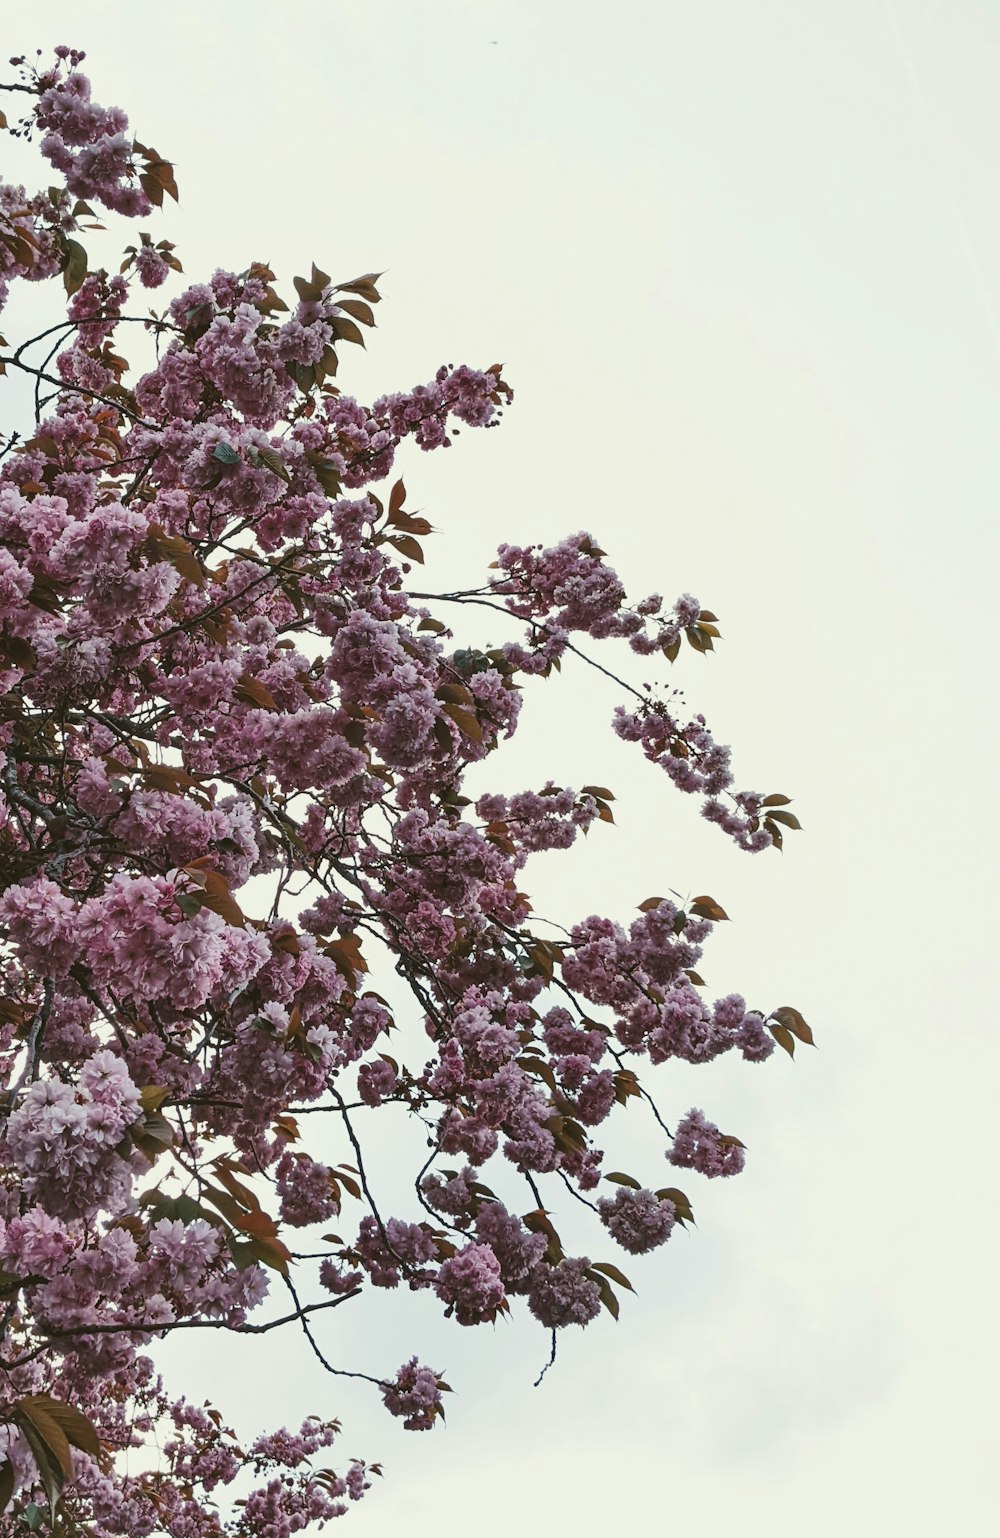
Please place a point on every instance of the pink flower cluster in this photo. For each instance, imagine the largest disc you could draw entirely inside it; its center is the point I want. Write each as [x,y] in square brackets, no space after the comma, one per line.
[567,587]
[87,143]
[563,1294]
[307,1195]
[638,1220]
[414,1395]
[470,1284]
[699,1145]
[64,1138]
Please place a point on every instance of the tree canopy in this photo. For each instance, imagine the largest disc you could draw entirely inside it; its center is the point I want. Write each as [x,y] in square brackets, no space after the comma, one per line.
[235,734]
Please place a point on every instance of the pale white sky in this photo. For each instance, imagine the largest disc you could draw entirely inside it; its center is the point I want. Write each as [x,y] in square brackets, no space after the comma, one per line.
[740,263]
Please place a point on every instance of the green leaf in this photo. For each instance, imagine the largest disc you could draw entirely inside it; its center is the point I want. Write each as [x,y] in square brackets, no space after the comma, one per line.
[75,266]
[225,454]
[242,1253]
[182,1209]
[621,1179]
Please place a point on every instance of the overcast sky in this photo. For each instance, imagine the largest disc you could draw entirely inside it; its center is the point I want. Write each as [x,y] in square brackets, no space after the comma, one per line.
[740,263]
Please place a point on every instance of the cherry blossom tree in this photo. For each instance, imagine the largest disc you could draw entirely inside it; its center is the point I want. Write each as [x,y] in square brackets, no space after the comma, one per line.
[235,735]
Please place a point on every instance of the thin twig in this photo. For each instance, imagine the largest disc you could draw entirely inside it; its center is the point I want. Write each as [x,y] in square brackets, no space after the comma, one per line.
[137,1327]
[340,1372]
[549,1363]
[79,389]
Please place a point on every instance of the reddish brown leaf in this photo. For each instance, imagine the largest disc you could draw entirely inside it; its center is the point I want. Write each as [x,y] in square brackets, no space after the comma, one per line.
[407,546]
[180,554]
[792,1020]
[255,693]
[606,1291]
[346,956]
[6,1468]
[51,1473]
[271,1252]
[783,1037]
[465,721]
[78,1430]
[359,309]
[681,1204]
[607,1269]
[216,895]
[167,777]
[788,819]
[33,1411]
[273,461]
[345,330]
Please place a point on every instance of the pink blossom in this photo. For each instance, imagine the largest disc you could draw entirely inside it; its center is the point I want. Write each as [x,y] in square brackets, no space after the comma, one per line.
[561,1294]
[638,1220]
[414,1395]
[699,1145]
[469,1282]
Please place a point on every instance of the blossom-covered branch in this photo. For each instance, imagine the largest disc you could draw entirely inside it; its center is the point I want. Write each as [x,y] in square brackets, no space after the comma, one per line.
[215,672]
